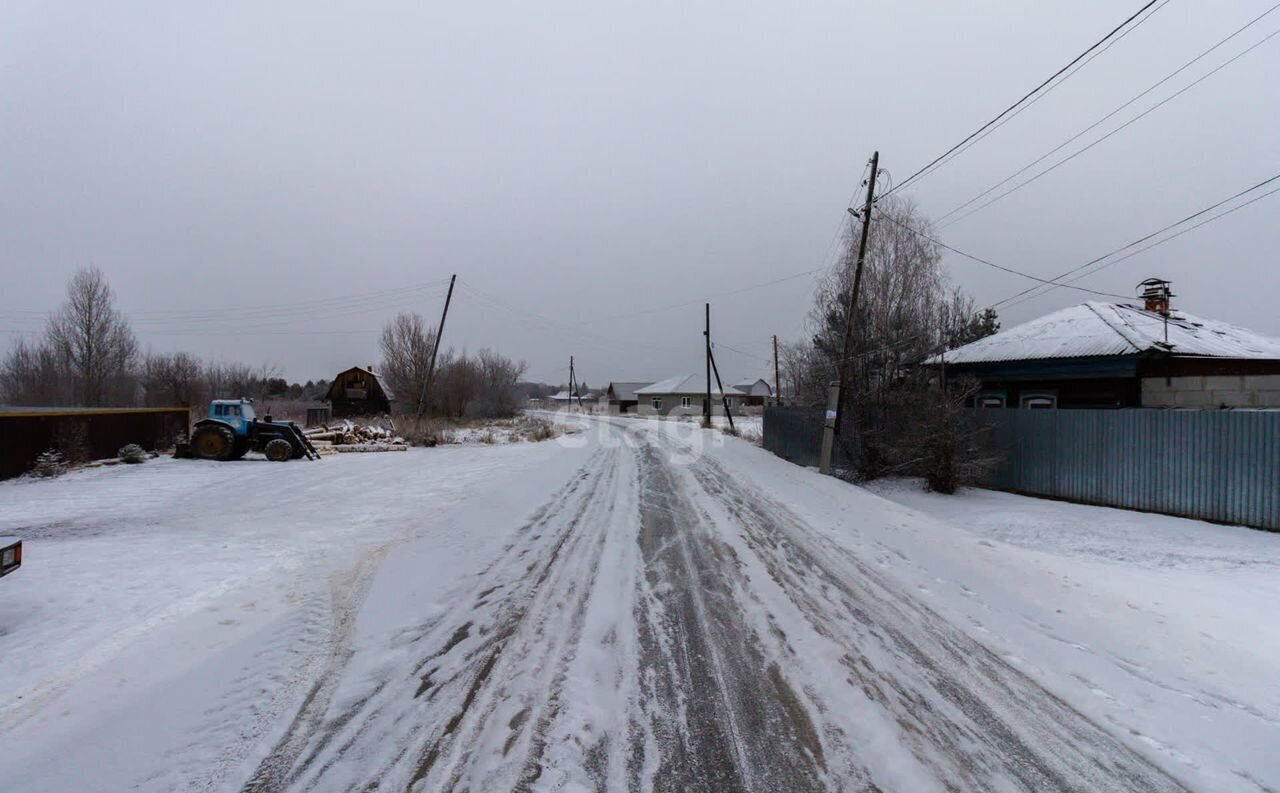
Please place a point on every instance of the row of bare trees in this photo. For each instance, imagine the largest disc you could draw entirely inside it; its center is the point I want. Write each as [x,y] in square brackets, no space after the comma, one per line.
[88,356]
[479,385]
[898,416]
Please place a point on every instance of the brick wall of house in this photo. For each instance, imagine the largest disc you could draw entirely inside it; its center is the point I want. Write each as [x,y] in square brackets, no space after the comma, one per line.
[1211,392]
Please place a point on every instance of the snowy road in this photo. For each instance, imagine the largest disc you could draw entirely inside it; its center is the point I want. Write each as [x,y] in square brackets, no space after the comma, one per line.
[661,624]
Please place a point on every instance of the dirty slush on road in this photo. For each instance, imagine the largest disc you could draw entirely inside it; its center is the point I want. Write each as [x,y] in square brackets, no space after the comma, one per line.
[659,626]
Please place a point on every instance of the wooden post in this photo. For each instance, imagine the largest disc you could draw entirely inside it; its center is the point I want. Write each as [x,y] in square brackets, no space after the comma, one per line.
[829,428]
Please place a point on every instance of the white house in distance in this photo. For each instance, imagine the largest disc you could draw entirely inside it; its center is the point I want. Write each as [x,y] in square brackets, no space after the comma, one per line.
[683,395]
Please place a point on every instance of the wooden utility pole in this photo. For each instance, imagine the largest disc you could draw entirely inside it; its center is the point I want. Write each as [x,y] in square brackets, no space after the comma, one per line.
[842,383]
[431,368]
[573,388]
[777,381]
[724,399]
[706,404]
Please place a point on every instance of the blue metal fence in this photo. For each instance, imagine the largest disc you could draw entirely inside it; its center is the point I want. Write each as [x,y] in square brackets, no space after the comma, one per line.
[1221,465]
[1218,465]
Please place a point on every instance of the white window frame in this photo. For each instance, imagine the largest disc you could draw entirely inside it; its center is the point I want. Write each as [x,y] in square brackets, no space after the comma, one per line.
[980,401]
[685,402]
[1025,400]
[656,402]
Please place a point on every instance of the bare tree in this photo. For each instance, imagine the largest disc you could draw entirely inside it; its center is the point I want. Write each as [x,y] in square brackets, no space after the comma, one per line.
[94,342]
[495,385]
[33,375]
[174,379]
[407,344]
[906,312]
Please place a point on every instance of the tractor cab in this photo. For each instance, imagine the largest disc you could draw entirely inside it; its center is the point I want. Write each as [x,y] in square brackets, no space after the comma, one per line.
[236,413]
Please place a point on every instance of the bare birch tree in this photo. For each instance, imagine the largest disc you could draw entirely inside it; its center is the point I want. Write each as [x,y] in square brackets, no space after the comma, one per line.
[407,344]
[94,341]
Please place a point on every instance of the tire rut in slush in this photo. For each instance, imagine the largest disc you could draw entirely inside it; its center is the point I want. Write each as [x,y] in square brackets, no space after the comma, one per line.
[722,716]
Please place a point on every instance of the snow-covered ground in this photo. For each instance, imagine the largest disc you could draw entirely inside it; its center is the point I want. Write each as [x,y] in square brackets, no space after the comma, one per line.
[636,606]
[1164,628]
[168,616]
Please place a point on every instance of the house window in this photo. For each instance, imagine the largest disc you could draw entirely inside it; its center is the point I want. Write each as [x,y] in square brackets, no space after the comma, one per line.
[684,402]
[1039,401]
[657,403]
[989,400]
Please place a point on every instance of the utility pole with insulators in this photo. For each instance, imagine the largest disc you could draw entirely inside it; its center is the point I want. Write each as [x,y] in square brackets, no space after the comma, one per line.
[832,427]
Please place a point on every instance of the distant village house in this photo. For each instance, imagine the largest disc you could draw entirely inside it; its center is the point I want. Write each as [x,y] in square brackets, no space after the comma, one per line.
[685,395]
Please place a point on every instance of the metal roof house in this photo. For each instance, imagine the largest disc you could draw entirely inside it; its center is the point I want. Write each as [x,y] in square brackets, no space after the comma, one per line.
[758,391]
[622,397]
[1109,355]
[684,395]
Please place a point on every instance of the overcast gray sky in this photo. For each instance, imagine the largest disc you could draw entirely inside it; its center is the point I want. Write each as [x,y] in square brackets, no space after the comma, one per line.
[578,164]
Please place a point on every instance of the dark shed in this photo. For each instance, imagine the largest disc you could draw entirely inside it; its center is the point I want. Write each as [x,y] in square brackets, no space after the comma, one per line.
[83,433]
[358,392]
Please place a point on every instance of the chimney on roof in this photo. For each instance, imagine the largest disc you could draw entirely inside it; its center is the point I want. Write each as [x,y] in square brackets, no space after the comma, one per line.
[1155,295]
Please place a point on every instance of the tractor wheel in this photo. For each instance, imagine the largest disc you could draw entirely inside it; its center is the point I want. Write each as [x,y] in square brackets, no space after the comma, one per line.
[213,442]
[279,450]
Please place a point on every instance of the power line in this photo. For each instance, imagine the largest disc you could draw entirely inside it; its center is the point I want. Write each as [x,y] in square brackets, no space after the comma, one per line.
[971,136]
[1123,126]
[1108,116]
[1051,88]
[886,216]
[1171,237]
[1054,283]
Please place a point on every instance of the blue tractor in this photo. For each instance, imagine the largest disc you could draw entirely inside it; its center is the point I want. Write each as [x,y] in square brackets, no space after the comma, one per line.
[232,428]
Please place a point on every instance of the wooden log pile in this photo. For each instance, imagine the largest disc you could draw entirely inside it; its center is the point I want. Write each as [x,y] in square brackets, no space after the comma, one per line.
[351,437]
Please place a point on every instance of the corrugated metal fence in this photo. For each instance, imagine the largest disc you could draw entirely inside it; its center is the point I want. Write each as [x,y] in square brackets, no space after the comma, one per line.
[1220,465]
[1217,465]
[795,434]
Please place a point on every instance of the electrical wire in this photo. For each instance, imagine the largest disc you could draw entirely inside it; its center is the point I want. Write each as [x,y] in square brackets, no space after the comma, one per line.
[1054,283]
[1050,89]
[1123,126]
[886,216]
[971,136]
[1108,116]
[1157,243]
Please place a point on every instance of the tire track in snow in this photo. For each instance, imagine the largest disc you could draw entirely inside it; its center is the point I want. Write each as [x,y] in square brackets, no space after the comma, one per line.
[714,714]
[475,691]
[969,717]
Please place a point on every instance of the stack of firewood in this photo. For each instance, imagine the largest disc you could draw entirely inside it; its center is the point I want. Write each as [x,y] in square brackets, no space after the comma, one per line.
[351,437]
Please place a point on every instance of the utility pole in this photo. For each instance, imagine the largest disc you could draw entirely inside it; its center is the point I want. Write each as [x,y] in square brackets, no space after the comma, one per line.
[711,366]
[777,381]
[724,398]
[573,389]
[842,384]
[706,404]
[431,368]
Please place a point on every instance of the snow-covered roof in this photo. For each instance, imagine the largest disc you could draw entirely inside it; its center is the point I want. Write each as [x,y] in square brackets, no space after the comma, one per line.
[758,387]
[627,391]
[562,396]
[1107,329]
[685,384]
